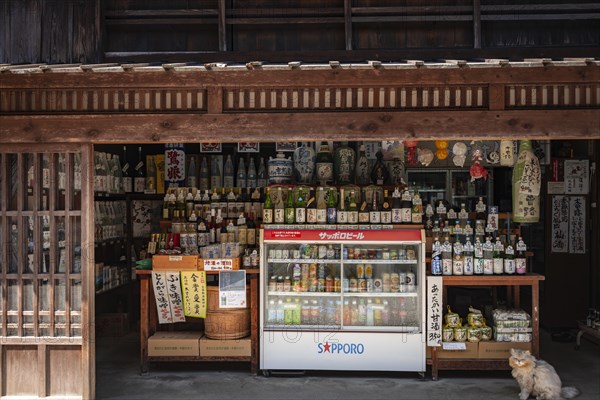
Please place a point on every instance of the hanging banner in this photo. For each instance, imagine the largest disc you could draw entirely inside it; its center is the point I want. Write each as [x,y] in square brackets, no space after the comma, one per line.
[174,165]
[194,293]
[577,179]
[434,311]
[175,297]
[560,224]
[163,308]
[232,289]
[577,224]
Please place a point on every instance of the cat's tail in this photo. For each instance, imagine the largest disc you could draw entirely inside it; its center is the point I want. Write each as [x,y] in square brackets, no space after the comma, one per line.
[568,392]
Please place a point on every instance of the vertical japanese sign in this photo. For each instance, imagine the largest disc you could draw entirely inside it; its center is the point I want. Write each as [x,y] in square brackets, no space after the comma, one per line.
[577,179]
[175,297]
[174,165]
[577,225]
[194,293]
[232,289]
[434,311]
[159,282]
[560,224]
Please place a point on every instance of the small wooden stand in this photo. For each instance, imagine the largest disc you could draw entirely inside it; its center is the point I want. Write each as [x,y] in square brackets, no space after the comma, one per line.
[149,322]
[513,283]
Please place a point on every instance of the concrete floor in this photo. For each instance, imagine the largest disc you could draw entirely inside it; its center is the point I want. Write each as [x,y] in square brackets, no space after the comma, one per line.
[118,377]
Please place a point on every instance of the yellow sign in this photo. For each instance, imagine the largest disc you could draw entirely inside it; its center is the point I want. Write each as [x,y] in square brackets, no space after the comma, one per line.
[194,293]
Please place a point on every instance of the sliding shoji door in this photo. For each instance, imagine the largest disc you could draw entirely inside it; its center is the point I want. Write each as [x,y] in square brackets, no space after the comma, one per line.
[46,262]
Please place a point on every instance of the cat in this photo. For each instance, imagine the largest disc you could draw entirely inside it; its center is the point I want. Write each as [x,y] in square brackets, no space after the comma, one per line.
[538,378]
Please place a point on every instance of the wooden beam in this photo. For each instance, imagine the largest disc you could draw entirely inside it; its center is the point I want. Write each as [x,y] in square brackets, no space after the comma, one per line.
[242,127]
[489,73]
[348,23]
[222,26]
[496,98]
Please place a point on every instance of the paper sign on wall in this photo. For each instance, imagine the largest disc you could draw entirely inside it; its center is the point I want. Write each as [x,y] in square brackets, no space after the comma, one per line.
[175,297]
[194,293]
[434,311]
[163,308]
[577,225]
[577,178]
[560,224]
[232,289]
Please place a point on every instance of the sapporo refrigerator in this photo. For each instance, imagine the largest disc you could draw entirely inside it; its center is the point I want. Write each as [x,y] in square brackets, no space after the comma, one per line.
[342,300]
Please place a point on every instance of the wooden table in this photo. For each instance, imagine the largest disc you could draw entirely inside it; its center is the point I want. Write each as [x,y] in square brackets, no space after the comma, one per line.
[149,322]
[513,284]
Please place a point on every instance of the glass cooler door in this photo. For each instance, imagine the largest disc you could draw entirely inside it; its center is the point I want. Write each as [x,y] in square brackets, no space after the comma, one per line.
[302,283]
[381,287]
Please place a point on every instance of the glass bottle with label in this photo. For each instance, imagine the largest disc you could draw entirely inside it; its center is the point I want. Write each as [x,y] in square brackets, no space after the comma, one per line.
[215,173]
[342,212]
[478,257]
[480,212]
[379,173]
[300,207]
[242,182]
[375,213]
[521,258]
[290,211]
[331,207]
[436,257]
[468,257]
[150,176]
[363,213]
[204,181]
[251,176]
[139,182]
[417,209]
[458,261]
[324,165]
[396,206]
[192,180]
[126,170]
[311,208]
[386,208]
[352,209]
[362,167]
[488,257]
[279,209]
[261,174]
[446,257]
[267,214]
[509,260]
[321,206]
[498,257]
[463,215]
[228,173]
[406,207]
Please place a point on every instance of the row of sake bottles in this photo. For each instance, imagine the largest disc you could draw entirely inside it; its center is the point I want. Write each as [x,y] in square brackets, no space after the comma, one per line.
[485,258]
[326,206]
[149,174]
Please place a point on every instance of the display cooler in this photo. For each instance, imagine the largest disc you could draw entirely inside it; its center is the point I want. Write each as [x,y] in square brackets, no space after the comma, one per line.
[342,300]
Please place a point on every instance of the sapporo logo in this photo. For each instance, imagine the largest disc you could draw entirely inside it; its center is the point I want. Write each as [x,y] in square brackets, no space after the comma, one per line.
[340,348]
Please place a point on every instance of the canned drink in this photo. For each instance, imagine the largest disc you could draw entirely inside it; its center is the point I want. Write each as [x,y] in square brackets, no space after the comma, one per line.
[368,271]
[350,253]
[345,253]
[322,252]
[386,255]
[296,254]
[321,271]
[272,254]
[346,285]
[402,282]
[360,271]
[353,285]
[304,271]
[312,270]
[362,285]
[370,285]
[297,271]
[285,254]
[401,254]
[410,254]
[278,254]
[393,254]
[377,285]
[337,284]
[321,285]
[395,282]
[329,284]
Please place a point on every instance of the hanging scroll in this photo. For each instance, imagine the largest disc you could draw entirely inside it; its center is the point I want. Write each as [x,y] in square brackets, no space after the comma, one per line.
[163,308]
[560,224]
[577,225]
[175,297]
[434,311]
[194,293]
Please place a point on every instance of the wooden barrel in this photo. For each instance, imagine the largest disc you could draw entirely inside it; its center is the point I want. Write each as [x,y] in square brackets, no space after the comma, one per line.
[234,324]
[213,303]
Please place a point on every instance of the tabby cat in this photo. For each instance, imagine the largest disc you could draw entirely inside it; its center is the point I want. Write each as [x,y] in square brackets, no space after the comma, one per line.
[538,378]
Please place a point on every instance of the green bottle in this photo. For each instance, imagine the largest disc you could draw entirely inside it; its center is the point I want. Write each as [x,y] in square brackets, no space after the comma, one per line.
[300,207]
[290,211]
[267,212]
[331,207]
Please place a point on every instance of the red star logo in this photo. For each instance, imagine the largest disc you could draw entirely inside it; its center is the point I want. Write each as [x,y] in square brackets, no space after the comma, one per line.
[327,347]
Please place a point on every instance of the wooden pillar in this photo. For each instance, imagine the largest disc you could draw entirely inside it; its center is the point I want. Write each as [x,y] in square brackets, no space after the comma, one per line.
[477,24]
[348,23]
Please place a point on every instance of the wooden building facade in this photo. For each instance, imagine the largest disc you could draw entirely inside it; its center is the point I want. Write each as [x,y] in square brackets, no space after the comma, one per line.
[192,71]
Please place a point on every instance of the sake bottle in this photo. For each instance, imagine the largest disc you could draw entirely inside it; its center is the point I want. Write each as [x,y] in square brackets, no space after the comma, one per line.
[251,176]
[192,182]
[311,208]
[396,207]
[300,207]
[228,173]
[386,208]
[417,209]
[279,209]
[324,165]
[215,174]
[436,257]
[478,257]
[379,173]
[331,207]
[290,210]
[446,257]
[267,212]
[521,258]
[488,257]
[362,167]
[204,181]
[242,182]
[352,209]
[468,257]
[342,212]
[344,163]
[498,257]
[526,183]
[321,206]
[261,174]
[509,260]
[458,261]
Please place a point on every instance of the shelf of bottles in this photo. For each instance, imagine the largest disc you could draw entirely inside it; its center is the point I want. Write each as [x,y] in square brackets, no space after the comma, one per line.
[459,249]
[340,286]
